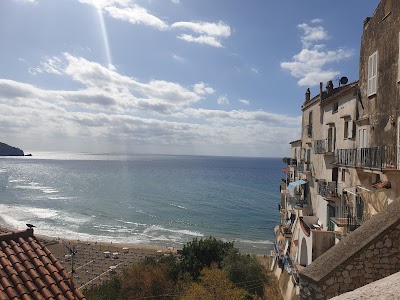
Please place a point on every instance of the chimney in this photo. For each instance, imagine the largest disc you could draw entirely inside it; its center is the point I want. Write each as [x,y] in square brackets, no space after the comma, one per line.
[320,91]
[329,87]
[366,20]
[308,95]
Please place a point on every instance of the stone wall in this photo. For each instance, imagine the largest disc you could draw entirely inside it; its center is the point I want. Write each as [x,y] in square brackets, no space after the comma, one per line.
[368,254]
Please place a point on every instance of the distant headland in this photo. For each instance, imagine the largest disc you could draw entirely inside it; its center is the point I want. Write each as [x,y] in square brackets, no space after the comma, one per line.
[7,150]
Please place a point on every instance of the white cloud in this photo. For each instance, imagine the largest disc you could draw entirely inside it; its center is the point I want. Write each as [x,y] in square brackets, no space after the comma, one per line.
[125,10]
[178,58]
[113,109]
[50,65]
[27,1]
[209,33]
[219,29]
[223,100]
[136,15]
[245,102]
[255,70]
[203,39]
[315,21]
[312,34]
[310,64]
[202,89]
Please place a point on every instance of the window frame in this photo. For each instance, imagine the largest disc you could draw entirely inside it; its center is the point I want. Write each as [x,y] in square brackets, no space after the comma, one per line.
[335,107]
[372,74]
[398,63]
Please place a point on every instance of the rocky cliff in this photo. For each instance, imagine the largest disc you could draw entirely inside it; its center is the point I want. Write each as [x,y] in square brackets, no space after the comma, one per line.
[7,150]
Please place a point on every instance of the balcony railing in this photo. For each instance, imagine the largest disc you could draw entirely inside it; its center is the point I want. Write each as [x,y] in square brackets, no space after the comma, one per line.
[304,167]
[327,189]
[383,157]
[320,146]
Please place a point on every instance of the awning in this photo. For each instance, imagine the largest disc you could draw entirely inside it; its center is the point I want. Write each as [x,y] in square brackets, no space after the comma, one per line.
[293,184]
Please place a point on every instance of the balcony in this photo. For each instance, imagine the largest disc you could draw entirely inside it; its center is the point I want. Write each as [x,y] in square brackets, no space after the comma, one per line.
[383,157]
[304,167]
[298,201]
[327,189]
[320,146]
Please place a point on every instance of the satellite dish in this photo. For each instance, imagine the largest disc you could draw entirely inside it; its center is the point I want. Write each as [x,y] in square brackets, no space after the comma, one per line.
[344,80]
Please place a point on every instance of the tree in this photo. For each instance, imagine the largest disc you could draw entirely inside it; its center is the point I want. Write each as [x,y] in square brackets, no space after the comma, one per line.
[214,284]
[147,280]
[110,290]
[246,272]
[199,254]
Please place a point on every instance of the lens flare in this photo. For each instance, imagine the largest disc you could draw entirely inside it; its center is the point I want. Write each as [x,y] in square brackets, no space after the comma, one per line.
[105,39]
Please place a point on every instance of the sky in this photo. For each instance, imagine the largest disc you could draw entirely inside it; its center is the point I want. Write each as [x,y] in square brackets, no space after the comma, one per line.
[209,77]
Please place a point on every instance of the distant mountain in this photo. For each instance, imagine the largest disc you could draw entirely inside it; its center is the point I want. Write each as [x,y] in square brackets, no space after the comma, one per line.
[7,150]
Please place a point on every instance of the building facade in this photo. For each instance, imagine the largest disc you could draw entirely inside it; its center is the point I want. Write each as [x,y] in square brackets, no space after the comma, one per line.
[348,169]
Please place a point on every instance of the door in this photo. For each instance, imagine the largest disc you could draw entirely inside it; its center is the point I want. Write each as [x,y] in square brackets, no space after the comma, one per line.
[331,139]
[331,214]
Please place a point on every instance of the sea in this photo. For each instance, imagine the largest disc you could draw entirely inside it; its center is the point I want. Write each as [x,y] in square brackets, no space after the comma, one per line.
[149,200]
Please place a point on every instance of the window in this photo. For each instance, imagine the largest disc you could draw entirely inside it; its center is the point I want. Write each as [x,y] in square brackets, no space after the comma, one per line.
[348,129]
[331,139]
[398,63]
[309,127]
[343,175]
[362,138]
[372,73]
[335,107]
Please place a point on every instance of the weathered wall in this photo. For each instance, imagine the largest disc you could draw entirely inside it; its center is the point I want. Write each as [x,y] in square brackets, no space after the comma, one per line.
[322,241]
[381,34]
[368,254]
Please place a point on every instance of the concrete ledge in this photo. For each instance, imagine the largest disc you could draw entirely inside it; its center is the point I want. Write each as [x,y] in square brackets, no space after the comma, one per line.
[387,288]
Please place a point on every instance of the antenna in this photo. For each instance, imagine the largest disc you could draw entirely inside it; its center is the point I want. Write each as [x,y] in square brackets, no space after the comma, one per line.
[72,252]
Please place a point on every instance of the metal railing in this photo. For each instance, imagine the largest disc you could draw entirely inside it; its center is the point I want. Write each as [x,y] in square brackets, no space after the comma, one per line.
[383,157]
[320,146]
[327,189]
[304,166]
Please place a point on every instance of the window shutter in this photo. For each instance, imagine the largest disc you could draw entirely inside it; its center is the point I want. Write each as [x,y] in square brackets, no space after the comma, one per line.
[372,73]
[350,129]
[398,62]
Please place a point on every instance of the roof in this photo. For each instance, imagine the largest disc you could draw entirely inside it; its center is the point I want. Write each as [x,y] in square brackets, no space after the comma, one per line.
[28,270]
[336,92]
[339,92]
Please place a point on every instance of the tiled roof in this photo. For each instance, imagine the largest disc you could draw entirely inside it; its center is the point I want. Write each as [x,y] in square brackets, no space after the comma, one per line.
[28,270]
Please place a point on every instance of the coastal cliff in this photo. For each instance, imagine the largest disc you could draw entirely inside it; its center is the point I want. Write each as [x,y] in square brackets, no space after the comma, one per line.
[7,150]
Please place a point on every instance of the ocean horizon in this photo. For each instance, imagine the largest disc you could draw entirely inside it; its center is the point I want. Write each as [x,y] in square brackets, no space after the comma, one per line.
[141,199]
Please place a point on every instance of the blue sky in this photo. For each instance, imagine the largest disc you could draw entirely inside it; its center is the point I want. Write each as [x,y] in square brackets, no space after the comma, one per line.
[209,77]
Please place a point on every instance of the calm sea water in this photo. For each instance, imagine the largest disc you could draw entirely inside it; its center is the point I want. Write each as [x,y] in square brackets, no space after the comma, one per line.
[154,200]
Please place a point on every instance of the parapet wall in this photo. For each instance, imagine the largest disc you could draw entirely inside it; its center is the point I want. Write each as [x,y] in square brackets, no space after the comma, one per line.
[368,254]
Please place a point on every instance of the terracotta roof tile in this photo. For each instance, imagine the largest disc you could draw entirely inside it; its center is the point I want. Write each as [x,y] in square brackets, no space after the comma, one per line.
[29,271]
[26,297]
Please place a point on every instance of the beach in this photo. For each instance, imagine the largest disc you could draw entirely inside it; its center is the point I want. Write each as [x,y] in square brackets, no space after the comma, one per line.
[96,262]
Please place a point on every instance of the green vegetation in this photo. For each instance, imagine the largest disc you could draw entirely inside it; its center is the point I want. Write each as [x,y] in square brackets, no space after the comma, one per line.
[205,269]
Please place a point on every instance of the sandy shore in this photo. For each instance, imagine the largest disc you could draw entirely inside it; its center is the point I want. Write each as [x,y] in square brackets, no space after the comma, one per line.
[95,262]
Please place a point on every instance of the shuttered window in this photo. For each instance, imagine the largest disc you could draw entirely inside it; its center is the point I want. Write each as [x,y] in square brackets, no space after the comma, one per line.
[398,63]
[372,73]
